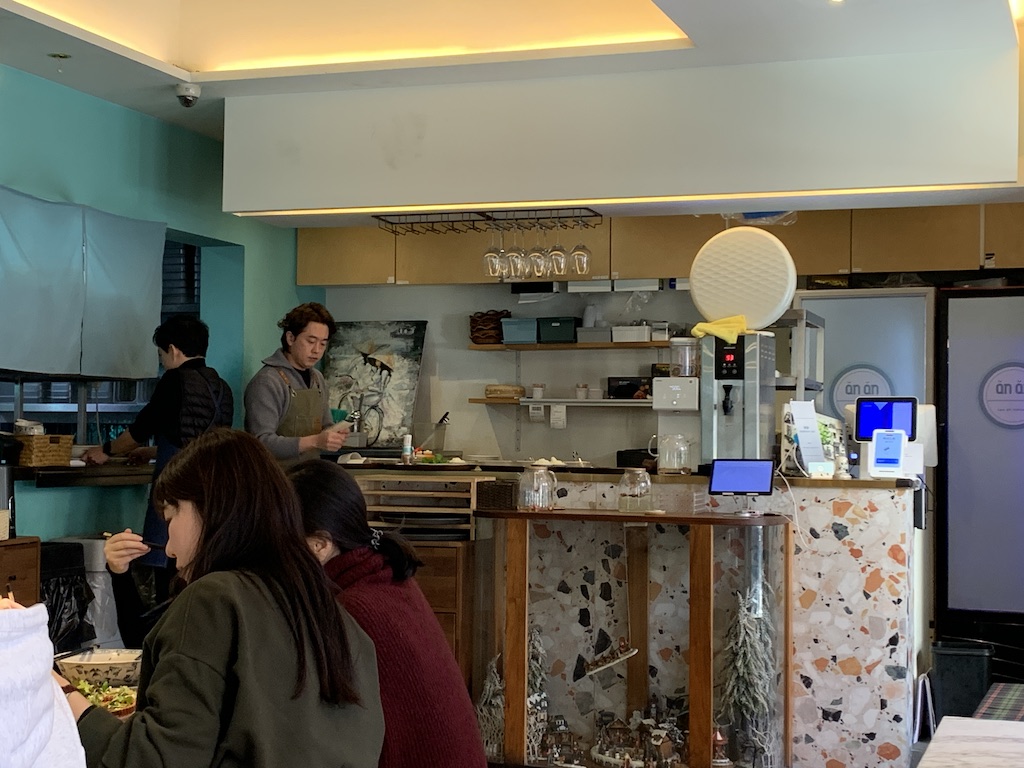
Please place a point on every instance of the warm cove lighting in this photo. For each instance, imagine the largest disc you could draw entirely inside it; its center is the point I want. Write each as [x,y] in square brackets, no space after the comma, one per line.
[1017,9]
[354,57]
[591,202]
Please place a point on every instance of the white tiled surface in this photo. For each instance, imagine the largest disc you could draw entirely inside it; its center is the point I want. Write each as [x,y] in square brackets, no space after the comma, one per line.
[965,742]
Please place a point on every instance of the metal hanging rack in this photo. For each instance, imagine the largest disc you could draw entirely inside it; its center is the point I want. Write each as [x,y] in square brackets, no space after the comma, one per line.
[486,221]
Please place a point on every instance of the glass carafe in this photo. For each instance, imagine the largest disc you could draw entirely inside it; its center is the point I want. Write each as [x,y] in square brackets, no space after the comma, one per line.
[635,491]
[673,453]
[537,487]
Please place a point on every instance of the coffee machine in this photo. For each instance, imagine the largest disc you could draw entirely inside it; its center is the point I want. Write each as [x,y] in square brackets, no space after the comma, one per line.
[737,395]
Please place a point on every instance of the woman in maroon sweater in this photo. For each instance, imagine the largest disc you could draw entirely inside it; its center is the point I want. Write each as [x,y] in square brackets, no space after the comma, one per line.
[429,720]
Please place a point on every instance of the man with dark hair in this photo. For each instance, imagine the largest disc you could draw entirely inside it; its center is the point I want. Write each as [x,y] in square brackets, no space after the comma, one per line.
[286,402]
[189,399]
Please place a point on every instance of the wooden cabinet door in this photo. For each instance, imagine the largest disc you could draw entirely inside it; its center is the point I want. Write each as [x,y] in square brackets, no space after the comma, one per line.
[1004,234]
[659,246]
[916,239]
[444,259]
[19,569]
[818,241]
[345,256]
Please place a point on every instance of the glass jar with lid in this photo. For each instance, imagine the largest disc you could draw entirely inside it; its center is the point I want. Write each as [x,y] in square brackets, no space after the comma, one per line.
[635,491]
[685,353]
[537,488]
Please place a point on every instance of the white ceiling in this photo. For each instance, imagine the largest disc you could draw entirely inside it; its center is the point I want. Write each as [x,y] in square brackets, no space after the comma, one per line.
[122,50]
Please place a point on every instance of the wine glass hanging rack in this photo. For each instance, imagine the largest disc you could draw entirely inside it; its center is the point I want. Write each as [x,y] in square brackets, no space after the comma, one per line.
[489,221]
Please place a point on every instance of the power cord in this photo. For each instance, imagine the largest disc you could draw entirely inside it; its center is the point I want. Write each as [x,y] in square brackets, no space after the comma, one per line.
[795,519]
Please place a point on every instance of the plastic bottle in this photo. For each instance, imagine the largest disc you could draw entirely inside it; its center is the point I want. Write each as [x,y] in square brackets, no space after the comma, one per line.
[407,449]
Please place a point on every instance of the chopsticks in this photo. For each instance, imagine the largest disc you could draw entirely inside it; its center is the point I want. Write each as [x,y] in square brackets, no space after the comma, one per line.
[10,594]
[150,544]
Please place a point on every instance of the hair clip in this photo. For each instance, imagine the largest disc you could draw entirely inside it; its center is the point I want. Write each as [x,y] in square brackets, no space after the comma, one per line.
[375,538]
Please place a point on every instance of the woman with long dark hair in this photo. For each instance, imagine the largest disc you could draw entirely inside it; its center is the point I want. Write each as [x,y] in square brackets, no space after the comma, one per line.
[253,664]
[430,720]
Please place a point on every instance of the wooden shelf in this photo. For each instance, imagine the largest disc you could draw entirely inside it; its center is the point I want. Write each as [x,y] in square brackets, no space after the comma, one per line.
[405,509]
[417,494]
[606,403]
[578,345]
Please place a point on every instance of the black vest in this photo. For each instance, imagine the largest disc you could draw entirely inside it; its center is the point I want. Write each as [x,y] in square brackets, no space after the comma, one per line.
[206,402]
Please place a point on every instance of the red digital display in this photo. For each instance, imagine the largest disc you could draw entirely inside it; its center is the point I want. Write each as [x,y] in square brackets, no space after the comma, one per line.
[729,357]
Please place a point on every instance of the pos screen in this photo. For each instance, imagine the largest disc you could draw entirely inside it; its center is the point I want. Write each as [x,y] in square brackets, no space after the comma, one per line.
[885,413]
[738,477]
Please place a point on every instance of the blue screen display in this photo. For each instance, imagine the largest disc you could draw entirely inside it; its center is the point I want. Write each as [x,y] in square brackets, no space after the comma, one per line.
[885,413]
[741,476]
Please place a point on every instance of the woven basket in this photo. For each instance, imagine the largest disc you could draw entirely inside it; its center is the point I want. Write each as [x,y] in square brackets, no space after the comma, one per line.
[497,494]
[45,450]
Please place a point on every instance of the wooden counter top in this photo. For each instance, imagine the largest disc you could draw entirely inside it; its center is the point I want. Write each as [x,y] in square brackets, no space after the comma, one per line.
[67,477]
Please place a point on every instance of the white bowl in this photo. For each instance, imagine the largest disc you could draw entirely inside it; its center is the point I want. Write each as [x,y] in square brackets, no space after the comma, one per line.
[117,666]
[78,450]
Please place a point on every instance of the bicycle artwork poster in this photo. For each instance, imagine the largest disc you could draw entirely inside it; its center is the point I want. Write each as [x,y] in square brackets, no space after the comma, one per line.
[373,367]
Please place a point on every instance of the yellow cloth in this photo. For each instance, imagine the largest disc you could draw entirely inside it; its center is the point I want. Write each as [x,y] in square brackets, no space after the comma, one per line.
[727,328]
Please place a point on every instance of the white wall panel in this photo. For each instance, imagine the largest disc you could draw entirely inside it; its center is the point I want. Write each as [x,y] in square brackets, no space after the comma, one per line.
[929,118]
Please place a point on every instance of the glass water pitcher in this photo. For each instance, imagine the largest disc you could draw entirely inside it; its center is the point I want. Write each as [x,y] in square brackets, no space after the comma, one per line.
[537,488]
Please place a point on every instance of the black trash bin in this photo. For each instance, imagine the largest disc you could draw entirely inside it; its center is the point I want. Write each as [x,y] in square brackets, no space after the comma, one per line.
[961,675]
[66,593]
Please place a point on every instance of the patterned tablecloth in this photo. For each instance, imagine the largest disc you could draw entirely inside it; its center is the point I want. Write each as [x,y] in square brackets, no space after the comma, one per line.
[1004,701]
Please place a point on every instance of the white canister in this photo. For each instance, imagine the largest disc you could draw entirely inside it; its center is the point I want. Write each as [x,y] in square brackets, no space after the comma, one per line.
[581,391]
[538,392]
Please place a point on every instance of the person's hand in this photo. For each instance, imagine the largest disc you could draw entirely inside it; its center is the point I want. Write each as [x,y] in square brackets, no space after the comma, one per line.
[95,455]
[333,438]
[121,548]
[7,603]
[142,455]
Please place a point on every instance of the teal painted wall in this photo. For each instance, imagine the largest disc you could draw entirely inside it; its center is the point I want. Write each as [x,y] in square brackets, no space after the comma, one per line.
[62,145]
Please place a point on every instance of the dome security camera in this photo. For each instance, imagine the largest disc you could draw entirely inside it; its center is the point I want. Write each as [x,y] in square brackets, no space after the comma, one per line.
[188,94]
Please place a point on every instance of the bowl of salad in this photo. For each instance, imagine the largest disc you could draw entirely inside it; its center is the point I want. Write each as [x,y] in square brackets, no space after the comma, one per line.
[118,700]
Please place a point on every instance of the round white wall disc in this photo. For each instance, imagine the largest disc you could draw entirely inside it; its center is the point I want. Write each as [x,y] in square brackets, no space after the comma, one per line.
[743,271]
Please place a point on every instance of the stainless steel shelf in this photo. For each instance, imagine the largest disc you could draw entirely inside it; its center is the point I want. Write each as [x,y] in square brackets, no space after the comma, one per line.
[73,408]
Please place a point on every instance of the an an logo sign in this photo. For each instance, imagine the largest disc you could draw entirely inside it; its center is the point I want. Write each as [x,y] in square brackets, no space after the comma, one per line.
[1002,395]
[859,380]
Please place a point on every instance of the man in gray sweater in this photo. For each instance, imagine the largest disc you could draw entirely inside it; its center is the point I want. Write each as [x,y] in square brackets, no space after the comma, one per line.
[286,402]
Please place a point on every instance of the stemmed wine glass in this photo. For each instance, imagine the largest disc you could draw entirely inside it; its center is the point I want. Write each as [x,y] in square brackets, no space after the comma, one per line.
[519,265]
[580,257]
[559,263]
[540,261]
[492,258]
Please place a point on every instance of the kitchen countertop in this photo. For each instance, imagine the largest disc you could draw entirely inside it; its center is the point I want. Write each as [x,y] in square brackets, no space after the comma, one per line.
[124,474]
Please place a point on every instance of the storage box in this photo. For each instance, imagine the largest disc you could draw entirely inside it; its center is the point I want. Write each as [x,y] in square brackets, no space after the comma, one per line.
[45,450]
[593,335]
[631,333]
[629,387]
[555,330]
[519,330]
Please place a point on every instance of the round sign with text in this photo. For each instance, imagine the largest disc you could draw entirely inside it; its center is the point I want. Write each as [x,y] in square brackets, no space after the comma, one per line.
[858,381]
[1002,395]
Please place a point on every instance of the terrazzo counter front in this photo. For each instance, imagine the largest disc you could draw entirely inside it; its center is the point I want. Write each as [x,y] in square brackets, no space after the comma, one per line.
[850,683]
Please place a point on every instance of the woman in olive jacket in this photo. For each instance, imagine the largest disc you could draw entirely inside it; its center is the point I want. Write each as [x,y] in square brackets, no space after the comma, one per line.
[253,664]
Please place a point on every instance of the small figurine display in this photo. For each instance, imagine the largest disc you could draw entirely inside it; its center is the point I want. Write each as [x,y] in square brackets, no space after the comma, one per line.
[649,740]
[719,744]
[620,653]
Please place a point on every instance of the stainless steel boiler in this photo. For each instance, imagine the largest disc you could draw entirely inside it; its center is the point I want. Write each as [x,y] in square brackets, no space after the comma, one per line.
[737,397]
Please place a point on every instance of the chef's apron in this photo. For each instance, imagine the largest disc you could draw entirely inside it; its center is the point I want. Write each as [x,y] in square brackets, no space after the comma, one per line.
[303,417]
